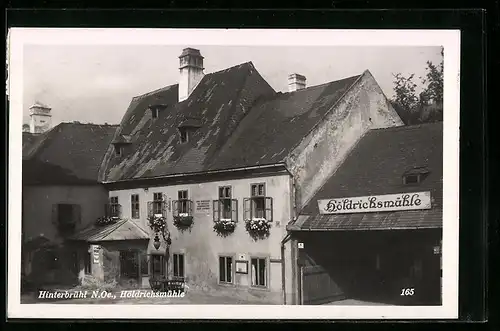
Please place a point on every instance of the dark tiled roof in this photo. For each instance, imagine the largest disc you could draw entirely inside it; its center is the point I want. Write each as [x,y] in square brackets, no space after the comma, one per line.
[69,153]
[121,230]
[235,118]
[31,142]
[275,126]
[375,167]
[411,219]
[219,101]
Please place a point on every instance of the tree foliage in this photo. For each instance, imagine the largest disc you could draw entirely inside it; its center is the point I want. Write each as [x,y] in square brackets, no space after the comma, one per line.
[426,106]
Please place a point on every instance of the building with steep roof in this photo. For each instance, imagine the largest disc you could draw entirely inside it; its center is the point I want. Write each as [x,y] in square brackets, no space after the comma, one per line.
[380,217]
[61,196]
[225,162]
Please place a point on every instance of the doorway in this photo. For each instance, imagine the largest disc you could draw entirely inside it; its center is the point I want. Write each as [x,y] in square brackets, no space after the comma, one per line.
[129,267]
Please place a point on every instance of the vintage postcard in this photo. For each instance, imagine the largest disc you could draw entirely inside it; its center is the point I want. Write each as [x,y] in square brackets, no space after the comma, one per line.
[269,174]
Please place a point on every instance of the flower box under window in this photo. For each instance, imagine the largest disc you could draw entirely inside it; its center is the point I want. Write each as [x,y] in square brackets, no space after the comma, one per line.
[182,211]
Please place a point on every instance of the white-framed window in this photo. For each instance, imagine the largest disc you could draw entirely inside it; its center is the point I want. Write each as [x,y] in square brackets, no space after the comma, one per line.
[225,207]
[226,269]
[114,208]
[258,205]
[183,199]
[157,265]
[178,265]
[259,271]
[158,203]
[134,200]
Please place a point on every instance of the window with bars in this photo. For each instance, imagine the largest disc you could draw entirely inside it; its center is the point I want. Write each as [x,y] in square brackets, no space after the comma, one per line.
[135,205]
[258,205]
[259,272]
[225,269]
[225,207]
[178,261]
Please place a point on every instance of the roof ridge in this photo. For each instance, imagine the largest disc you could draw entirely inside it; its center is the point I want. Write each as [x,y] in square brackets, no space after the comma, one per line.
[114,227]
[137,226]
[231,68]
[309,88]
[147,94]
[88,124]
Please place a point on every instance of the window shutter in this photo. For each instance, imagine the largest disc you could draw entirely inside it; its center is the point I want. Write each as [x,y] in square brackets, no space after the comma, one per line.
[216,210]
[54,214]
[234,210]
[190,207]
[150,208]
[164,205]
[77,214]
[246,209]
[269,209]
[175,208]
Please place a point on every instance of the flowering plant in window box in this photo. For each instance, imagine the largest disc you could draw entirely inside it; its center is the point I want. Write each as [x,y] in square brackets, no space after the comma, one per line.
[183,221]
[224,226]
[258,228]
[106,220]
[157,223]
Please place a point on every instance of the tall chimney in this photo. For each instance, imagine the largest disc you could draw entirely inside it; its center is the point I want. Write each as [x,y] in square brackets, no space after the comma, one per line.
[191,72]
[40,118]
[296,82]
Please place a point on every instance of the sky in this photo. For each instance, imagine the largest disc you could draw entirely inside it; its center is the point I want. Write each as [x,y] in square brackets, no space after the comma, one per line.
[95,83]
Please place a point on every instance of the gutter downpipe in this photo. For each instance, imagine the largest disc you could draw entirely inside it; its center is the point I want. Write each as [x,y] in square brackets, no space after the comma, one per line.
[283,269]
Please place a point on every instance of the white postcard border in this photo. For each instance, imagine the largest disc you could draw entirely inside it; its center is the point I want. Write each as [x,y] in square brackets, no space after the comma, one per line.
[450,39]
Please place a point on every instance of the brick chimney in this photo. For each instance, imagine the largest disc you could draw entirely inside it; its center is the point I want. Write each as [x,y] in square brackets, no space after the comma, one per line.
[191,72]
[296,82]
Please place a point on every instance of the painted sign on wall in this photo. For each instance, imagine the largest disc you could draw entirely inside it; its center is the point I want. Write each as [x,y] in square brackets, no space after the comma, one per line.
[202,205]
[96,250]
[376,203]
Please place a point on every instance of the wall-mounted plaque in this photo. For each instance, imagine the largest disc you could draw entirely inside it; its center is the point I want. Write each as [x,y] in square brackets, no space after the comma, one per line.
[241,267]
[95,254]
[202,205]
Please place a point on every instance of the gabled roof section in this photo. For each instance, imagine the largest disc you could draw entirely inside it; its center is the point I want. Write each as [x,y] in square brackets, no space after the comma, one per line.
[218,104]
[69,153]
[121,230]
[376,167]
[276,125]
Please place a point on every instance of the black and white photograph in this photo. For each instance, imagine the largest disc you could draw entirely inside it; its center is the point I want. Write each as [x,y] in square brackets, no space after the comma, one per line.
[249,173]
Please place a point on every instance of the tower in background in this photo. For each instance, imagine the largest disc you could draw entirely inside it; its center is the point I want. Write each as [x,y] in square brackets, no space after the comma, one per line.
[40,118]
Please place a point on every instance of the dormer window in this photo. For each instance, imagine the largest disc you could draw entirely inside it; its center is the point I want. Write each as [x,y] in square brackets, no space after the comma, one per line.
[154,113]
[155,110]
[118,150]
[184,136]
[415,175]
